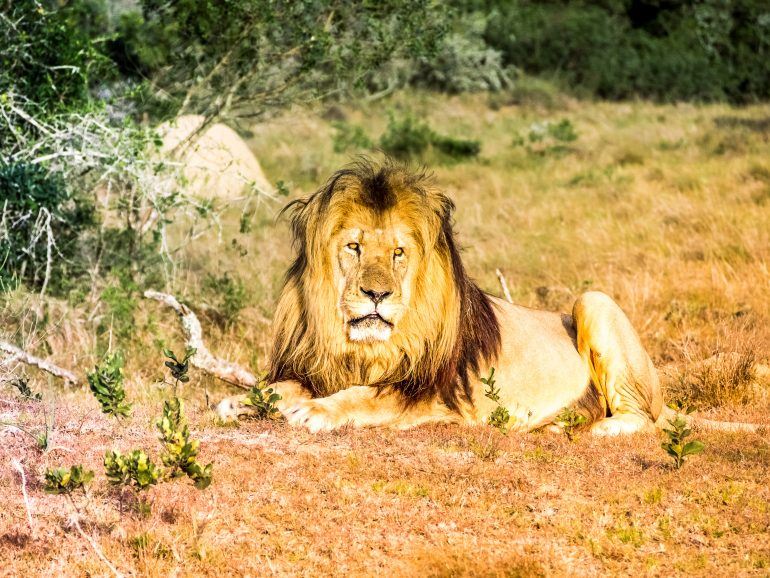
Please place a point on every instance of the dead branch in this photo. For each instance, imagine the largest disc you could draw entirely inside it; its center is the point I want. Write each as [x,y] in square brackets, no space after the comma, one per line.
[21,355]
[504,285]
[203,359]
[17,465]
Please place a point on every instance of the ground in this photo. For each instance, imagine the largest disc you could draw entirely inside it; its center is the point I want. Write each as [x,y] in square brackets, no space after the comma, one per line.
[665,207]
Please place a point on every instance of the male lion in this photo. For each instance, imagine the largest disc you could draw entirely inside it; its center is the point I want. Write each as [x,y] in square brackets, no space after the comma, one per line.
[378,323]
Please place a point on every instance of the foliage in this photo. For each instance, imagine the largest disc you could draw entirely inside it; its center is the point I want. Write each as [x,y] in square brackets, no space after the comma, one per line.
[179,369]
[408,137]
[66,480]
[499,417]
[106,383]
[230,297]
[569,421]
[263,399]
[41,222]
[463,62]
[246,57]
[707,50]
[350,137]
[180,452]
[135,468]
[47,56]
[675,444]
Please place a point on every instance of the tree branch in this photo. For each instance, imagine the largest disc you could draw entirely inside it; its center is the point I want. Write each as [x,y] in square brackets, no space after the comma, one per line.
[46,366]
[203,359]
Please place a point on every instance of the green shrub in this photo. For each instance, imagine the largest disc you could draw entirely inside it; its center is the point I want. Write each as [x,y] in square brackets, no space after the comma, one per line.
[708,50]
[48,55]
[106,383]
[350,137]
[42,226]
[570,421]
[262,400]
[408,137]
[135,468]
[676,434]
[66,480]
[180,452]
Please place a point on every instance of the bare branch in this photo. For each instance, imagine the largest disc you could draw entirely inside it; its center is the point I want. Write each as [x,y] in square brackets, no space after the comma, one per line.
[504,285]
[203,359]
[47,366]
[17,465]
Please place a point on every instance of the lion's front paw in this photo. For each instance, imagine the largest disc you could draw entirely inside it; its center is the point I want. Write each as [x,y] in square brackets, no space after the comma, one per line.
[316,415]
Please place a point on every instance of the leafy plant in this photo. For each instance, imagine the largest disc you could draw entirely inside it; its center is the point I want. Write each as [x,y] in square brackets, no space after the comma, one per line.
[263,399]
[66,480]
[179,368]
[135,468]
[499,417]
[569,421]
[180,452]
[675,444]
[106,383]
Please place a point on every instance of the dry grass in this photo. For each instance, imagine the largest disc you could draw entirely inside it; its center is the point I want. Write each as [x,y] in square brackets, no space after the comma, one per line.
[663,207]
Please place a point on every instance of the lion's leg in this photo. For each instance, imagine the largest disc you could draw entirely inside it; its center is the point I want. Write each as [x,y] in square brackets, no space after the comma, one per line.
[620,368]
[291,392]
[362,406]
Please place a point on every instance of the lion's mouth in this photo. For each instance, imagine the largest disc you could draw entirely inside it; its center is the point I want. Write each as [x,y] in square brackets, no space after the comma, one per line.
[370,320]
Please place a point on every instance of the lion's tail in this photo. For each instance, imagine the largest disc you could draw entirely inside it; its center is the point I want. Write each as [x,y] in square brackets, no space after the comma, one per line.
[709,424]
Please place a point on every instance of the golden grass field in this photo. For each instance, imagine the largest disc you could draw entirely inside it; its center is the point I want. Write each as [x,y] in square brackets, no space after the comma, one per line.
[664,207]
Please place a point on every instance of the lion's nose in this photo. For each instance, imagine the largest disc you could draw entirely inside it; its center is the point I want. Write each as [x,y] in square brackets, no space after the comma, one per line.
[375,296]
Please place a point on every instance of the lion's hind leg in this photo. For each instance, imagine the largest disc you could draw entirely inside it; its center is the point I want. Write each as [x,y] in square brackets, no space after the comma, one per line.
[620,368]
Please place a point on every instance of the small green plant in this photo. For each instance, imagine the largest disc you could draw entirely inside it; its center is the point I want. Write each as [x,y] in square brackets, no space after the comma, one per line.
[263,399]
[499,417]
[675,444]
[570,421]
[180,452]
[22,384]
[135,468]
[179,369]
[66,480]
[350,137]
[106,383]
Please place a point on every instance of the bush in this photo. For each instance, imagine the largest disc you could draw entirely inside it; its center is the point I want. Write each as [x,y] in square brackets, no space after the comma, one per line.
[463,62]
[668,51]
[409,137]
[42,222]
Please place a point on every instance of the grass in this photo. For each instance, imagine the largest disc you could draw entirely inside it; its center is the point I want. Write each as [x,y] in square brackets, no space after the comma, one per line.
[663,207]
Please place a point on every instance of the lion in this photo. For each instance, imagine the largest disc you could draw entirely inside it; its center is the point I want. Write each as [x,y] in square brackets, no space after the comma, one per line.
[379,324]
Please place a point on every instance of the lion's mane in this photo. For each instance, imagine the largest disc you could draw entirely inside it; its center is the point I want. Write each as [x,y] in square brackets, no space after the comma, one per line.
[449,329]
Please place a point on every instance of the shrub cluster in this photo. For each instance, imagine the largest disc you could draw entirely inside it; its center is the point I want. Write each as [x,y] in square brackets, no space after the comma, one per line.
[701,50]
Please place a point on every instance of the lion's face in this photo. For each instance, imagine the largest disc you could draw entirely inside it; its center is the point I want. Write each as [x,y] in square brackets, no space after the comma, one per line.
[374,259]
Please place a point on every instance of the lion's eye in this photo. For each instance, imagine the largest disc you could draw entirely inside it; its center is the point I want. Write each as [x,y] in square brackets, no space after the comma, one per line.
[354,247]
[398,252]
